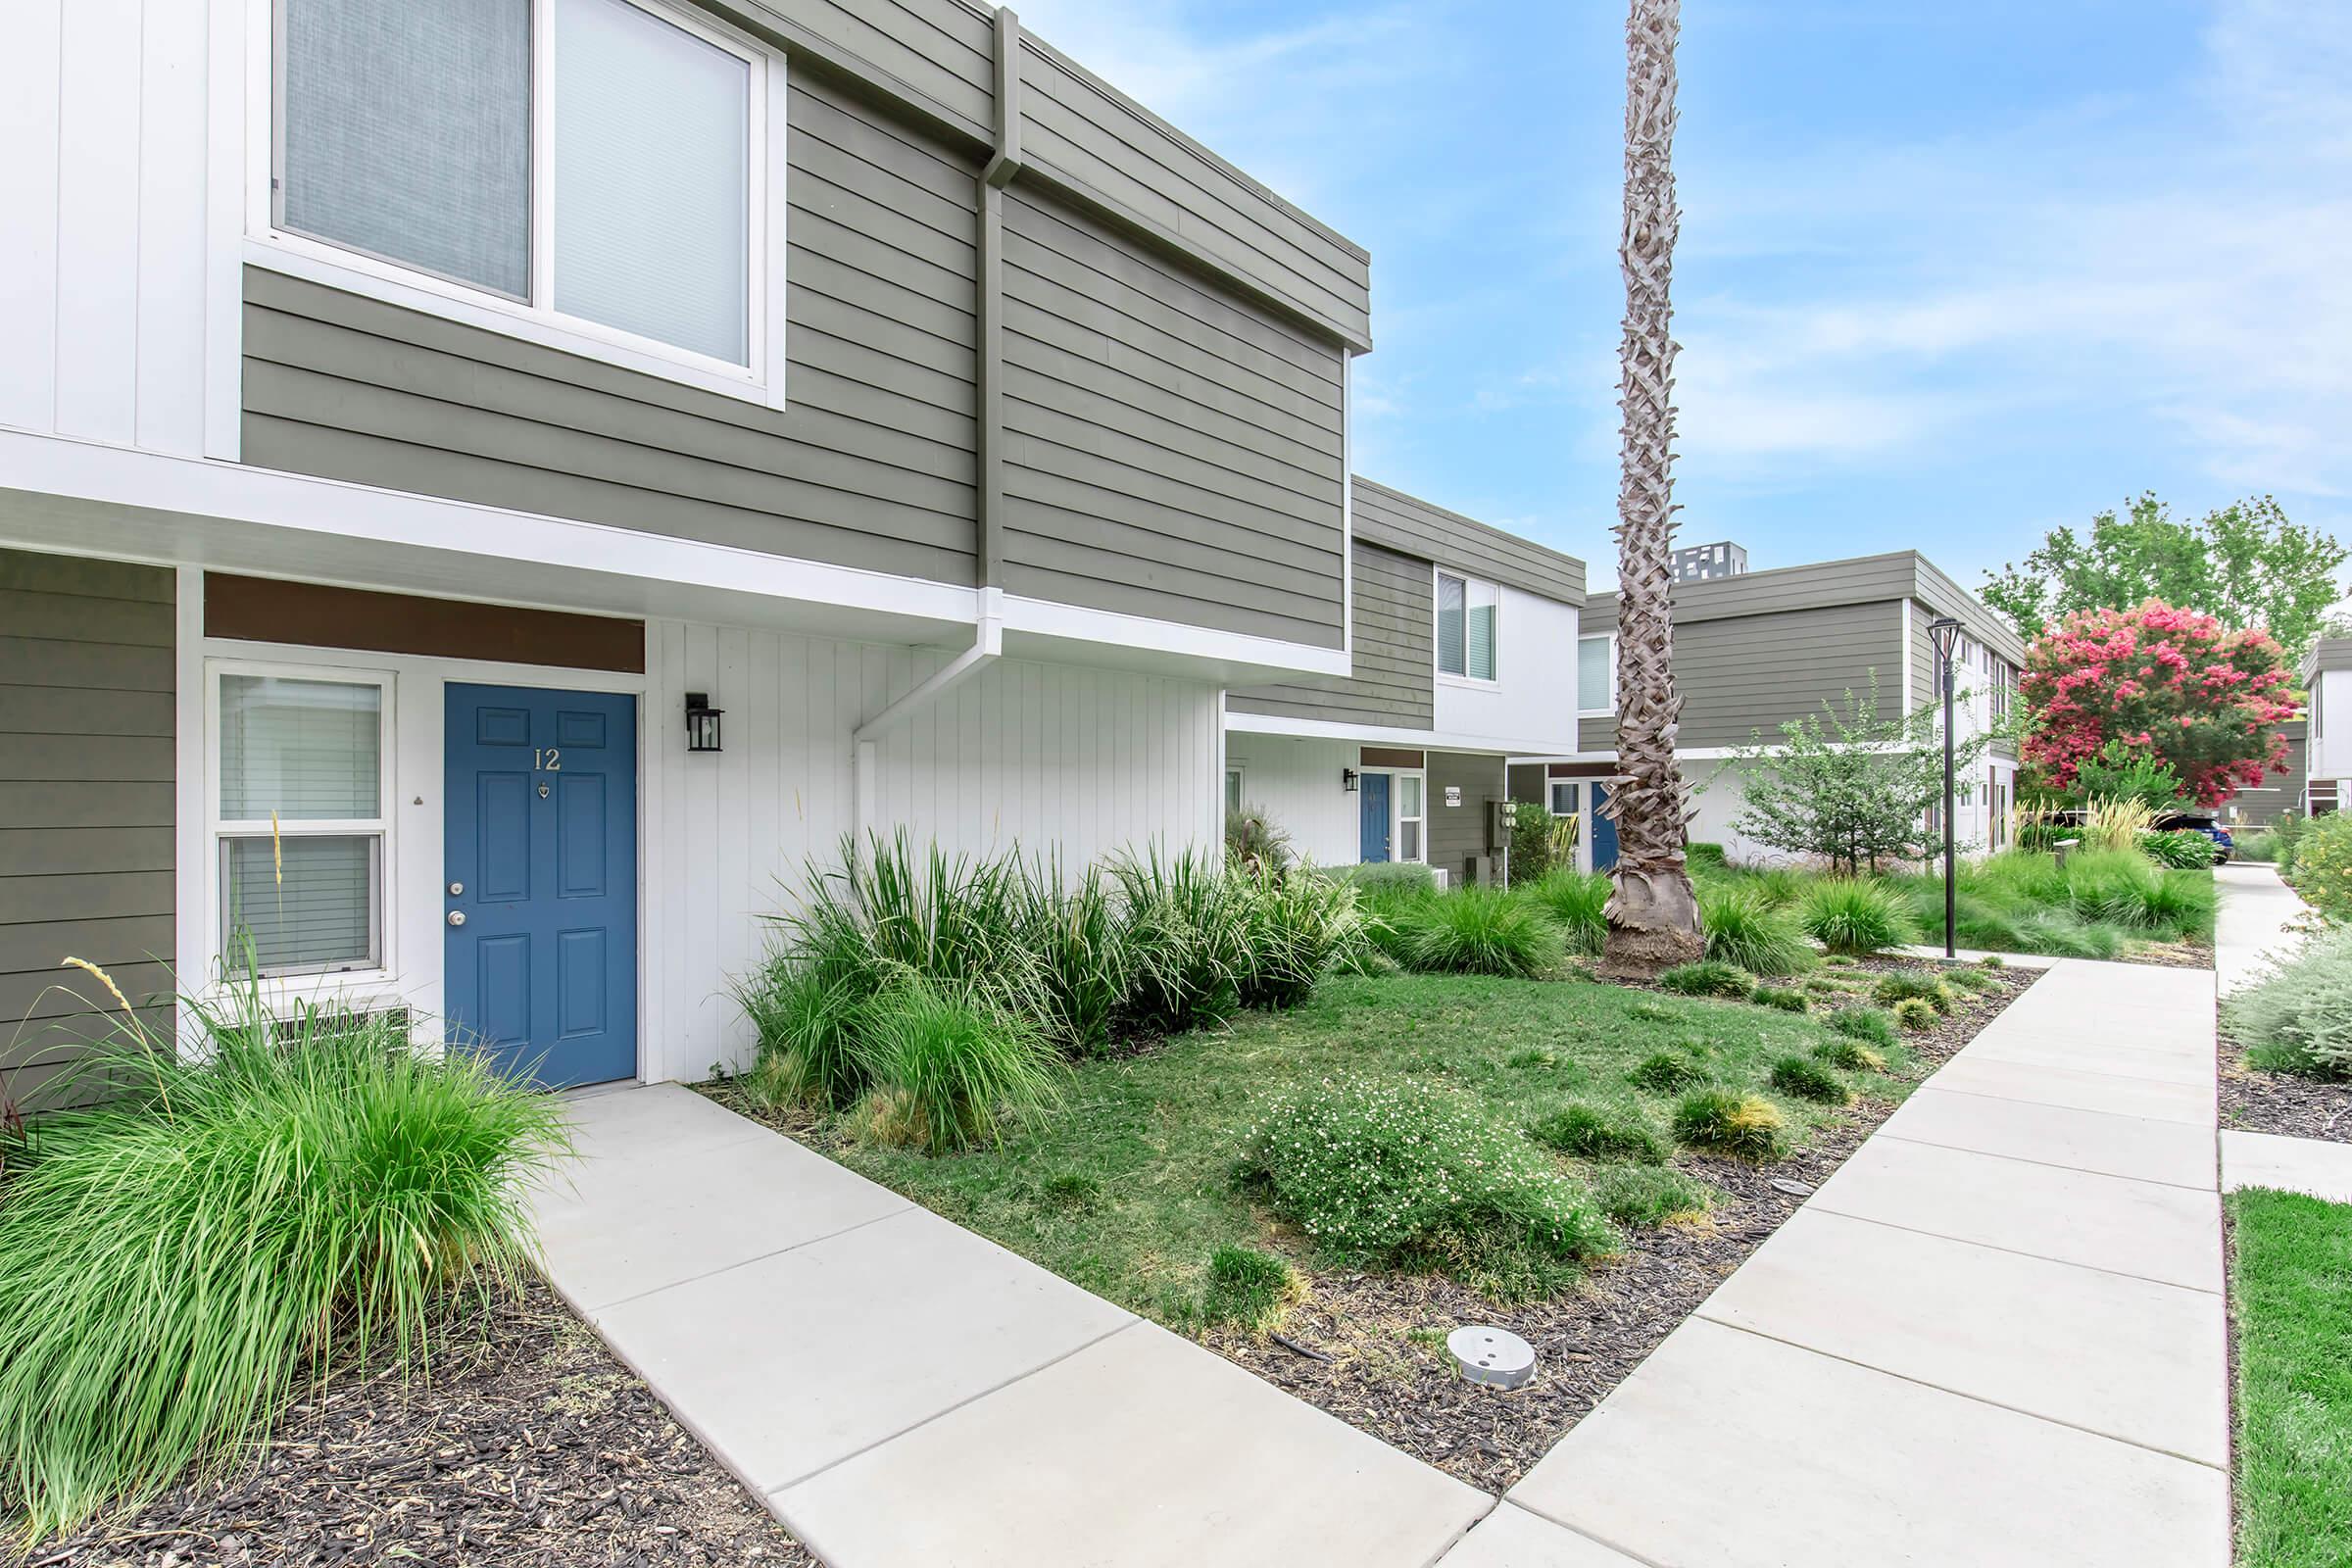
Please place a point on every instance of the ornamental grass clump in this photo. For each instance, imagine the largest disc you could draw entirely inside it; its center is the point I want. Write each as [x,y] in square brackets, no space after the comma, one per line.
[1398,1174]
[303,1194]
[1295,930]
[1476,930]
[1574,901]
[1730,1122]
[1187,930]
[1666,1072]
[1646,1197]
[948,1069]
[2297,1016]
[1854,918]
[1804,1078]
[1852,1055]
[1917,1014]
[1599,1132]
[1746,928]
[1873,1026]
[1788,999]
[1248,1288]
[1904,985]
[1709,977]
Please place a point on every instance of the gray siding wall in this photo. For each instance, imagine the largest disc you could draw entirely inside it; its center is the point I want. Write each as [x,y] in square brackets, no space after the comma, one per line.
[1458,832]
[1754,674]
[2278,792]
[86,804]
[1393,681]
[1398,521]
[1168,452]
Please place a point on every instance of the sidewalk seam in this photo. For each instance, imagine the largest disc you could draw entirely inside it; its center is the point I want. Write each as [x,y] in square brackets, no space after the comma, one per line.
[729,1268]
[2014,1252]
[2046,1164]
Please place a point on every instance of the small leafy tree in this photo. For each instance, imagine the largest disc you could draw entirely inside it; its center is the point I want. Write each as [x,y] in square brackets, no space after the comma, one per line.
[1539,842]
[1850,787]
[2174,685]
[2120,772]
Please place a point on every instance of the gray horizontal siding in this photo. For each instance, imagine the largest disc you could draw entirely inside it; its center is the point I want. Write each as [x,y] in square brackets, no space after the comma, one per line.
[937,53]
[1402,522]
[871,466]
[1457,833]
[1167,451]
[1755,673]
[86,799]
[1392,658]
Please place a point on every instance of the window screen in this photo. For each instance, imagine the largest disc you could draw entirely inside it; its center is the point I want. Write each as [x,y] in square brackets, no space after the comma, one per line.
[407,133]
[1593,676]
[652,166]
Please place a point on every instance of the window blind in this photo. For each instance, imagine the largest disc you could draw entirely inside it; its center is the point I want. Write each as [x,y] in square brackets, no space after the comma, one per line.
[305,749]
[406,130]
[652,166]
[1481,633]
[319,915]
[1453,654]
[1592,674]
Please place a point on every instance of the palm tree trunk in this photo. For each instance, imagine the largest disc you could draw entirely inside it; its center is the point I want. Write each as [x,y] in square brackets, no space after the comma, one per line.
[1653,915]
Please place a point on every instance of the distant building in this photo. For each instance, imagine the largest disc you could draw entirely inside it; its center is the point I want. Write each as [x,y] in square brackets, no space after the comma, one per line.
[1704,563]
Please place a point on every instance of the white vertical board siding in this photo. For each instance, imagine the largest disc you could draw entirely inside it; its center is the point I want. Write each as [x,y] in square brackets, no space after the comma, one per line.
[1039,759]
[103,219]
[1295,781]
[1719,792]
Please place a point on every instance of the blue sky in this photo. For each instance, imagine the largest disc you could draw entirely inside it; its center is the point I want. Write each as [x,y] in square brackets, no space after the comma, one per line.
[1949,275]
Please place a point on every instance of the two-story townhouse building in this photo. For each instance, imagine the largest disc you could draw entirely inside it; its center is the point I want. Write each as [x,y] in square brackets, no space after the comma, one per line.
[1755,648]
[1463,655]
[490,491]
[2326,676]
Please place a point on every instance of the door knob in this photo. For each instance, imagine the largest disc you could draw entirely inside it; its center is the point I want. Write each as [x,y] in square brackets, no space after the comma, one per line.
[457,917]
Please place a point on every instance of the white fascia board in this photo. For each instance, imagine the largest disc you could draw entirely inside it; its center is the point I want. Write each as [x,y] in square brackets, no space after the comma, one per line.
[1695,754]
[1388,735]
[1033,628]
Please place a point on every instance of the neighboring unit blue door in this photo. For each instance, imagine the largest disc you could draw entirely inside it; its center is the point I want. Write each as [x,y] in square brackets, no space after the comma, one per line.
[540,897]
[1604,831]
[1374,790]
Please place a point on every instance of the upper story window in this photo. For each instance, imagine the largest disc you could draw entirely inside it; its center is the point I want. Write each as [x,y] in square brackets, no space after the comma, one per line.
[595,165]
[1597,674]
[1467,610]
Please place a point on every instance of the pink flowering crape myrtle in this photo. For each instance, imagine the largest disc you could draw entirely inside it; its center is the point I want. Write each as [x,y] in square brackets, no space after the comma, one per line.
[2176,683]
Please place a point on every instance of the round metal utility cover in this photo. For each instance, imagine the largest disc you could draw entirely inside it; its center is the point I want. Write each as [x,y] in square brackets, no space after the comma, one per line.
[1493,1356]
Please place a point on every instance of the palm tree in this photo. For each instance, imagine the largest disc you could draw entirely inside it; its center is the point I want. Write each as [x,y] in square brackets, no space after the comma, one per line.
[1653,915]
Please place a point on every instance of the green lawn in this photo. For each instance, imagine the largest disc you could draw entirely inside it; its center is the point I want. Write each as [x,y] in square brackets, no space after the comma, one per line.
[2290,1280]
[1128,1186]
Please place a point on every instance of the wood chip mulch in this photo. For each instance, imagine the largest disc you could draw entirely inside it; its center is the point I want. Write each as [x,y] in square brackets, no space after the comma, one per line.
[1387,1372]
[529,1446]
[2283,1103]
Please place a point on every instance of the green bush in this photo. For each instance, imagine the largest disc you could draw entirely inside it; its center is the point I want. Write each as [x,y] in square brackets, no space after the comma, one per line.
[1916,1013]
[1852,1055]
[882,917]
[1645,1196]
[1248,1286]
[1389,1173]
[1705,857]
[1968,977]
[303,1194]
[1904,984]
[1992,961]
[1187,928]
[1381,879]
[1746,928]
[1256,842]
[1785,998]
[1873,1026]
[2297,1016]
[2258,848]
[1597,1132]
[803,1020]
[947,1070]
[1084,965]
[2288,830]
[1804,1078]
[1852,917]
[1709,977]
[1730,1122]
[2182,850]
[1662,1072]
[1540,842]
[1574,901]
[1295,931]
[1476,930]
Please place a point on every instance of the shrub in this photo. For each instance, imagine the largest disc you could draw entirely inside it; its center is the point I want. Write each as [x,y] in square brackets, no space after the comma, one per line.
[1968,977]
[1709,977]
[1730,1122]
[1248,1286]
[1786,998]
[1904,985]
[1746,928]
[2321,868]
[1873,1026]
[1186,929]
[1662,1072]
[803,1015]
[2297,1016]
[881,918]
[1540,842]
[1992,961]
[1388,878]
[1574,901]
[1853,917]
[1596,1132]
[1916,1013]
[1393,1174]
[1256,842]
[1477,930]
[1648,1196]
[303,1193]
[1852,1055]
[1085,966]
[1295,930]
[2260,849]
[1807,1079]
[2182,850]
[948,1071]
[2288,830]
[1705,857]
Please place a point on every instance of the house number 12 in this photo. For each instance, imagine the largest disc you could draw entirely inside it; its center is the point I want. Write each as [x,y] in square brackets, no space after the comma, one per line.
[550,761]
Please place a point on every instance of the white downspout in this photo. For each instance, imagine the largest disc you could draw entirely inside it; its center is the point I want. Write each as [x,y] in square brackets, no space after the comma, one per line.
[987,645]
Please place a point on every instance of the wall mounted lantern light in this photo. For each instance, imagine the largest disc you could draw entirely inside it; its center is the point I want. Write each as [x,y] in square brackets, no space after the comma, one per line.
[1347,779]
[702,722]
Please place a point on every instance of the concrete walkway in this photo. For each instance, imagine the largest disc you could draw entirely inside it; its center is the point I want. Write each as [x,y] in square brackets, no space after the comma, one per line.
[901,1392]
[2252,928]
[1995,1336]
[2256,911]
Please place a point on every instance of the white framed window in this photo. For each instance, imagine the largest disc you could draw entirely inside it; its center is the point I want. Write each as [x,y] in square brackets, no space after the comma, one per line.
[1467,613]
[1233,789]
[298,784]
[1564,798]
[590,174]
[1412,817]
[1596,675]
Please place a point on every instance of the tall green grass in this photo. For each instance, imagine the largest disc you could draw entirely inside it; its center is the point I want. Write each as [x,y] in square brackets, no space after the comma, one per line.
[1476,930]
[1575,902]
[948,1071]
[173,1262]
[1853,916]
[1744,927]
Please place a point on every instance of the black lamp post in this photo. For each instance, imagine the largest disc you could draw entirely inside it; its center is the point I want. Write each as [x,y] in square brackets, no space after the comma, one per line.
[1944,632]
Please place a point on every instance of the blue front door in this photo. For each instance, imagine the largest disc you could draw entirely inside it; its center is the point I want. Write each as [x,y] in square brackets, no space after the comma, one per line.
[540,897]
[1604,831]
[1374,790]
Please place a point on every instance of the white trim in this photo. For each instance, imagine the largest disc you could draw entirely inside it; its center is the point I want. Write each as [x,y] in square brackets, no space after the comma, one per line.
[226,117]
[536,319]
[1348,505]
[1382,735]
[1252,657]
[1908,660]
[1582,638]
[1396,817]
[191,965]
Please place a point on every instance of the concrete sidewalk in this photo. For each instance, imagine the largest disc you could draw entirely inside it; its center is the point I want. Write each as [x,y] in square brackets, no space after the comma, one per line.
[901,1392]
[2252,928]
[1997,1335]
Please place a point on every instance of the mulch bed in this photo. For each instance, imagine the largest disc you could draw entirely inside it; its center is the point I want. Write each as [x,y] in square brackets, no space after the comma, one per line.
[2285,1102]
[1387,1372]
[530,1447]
